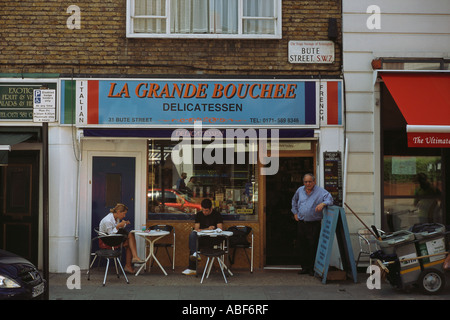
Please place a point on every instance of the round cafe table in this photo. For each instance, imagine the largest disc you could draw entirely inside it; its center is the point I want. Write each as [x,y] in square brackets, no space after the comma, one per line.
[151,236]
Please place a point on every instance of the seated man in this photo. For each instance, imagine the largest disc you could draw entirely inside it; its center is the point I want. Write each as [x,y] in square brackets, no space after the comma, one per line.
[207,219]
[114,223]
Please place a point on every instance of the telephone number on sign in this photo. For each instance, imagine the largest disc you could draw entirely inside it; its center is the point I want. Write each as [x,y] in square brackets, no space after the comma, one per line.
[275,120]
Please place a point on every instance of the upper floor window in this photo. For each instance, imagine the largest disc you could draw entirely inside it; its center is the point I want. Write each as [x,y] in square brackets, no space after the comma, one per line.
[204,19]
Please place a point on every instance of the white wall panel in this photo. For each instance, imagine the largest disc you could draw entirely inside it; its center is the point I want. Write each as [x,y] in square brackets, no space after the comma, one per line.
[360,142]
[399,23]
[360,182]
[397,43]
[398,6]
[358,61]
[359,101]
[360,162]
[361,122]
[359,81]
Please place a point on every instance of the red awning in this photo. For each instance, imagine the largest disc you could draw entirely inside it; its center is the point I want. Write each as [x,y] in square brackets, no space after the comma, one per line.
[424,100]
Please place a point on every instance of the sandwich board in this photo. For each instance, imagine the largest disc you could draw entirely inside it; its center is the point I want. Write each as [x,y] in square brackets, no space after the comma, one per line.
[334,223]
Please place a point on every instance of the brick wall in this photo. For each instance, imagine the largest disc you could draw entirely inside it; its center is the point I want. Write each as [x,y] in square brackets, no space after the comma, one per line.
[34,38]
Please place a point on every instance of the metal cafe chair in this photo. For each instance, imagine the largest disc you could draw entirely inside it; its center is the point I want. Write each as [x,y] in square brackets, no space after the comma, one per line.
[166,245]
[213,247]
[239,239]
[367,244]
[110,248]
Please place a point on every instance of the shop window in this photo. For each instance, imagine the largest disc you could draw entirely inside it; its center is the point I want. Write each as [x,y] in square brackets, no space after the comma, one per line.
[412,190]
[204,18]
[413,178]
[176,188]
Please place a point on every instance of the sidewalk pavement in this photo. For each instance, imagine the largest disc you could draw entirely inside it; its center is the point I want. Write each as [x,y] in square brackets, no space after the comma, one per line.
[261,285]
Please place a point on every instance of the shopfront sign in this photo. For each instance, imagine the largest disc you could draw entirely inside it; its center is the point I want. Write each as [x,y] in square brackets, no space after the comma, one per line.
[162,103]
[429,139]
[16,102]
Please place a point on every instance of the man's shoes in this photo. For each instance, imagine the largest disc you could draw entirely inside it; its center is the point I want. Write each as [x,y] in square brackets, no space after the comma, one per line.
[309,271]
[304,271]
[189,272]
[194,256]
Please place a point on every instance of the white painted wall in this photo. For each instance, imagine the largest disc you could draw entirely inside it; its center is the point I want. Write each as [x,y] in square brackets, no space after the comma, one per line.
[70,216]
[409,28]
[63,178]
[109,147]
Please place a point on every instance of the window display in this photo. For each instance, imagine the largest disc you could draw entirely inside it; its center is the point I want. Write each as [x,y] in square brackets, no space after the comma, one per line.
[231,184]
[412,190]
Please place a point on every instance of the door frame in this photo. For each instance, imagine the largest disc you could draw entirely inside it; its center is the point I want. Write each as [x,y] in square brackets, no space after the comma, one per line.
[262,182]
[86,198]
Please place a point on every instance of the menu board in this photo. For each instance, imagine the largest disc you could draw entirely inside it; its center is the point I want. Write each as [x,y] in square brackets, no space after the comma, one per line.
[334,223]
[333,175]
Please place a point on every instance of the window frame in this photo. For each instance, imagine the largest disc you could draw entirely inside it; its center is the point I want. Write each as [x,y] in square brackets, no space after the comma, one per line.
[241,19]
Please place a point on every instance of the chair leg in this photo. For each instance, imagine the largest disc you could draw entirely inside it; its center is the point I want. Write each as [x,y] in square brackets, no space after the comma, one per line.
[204,271]
[251,266]
[221,268]
[357,260]
[246,254]
[123,271]
[106,271]
[173,256]
[231,259]
[210,267]
[90,266]
[117,270]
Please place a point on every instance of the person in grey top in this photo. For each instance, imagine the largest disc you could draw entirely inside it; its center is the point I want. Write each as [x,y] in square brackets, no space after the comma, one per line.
[307,206]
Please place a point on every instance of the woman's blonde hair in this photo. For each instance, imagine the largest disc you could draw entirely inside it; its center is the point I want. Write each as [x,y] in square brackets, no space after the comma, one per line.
[120,207]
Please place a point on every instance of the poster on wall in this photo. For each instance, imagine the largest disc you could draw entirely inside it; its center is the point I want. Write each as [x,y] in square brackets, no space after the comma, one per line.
[333,175]
[230,103]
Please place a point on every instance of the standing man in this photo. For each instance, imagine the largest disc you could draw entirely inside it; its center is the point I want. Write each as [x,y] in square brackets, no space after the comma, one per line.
[181,185]
[307,205]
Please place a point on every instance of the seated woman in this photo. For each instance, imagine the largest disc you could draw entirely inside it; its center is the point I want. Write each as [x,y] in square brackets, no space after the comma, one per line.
[113,223]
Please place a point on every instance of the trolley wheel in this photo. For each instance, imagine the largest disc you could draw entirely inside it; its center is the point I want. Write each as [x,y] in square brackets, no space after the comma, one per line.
[431,281]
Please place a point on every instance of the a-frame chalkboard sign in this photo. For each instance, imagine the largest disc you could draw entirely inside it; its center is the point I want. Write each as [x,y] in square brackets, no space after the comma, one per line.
[334,223]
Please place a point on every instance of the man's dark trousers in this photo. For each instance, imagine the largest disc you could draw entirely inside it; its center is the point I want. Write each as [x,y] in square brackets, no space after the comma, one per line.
[308,237]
